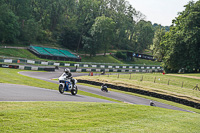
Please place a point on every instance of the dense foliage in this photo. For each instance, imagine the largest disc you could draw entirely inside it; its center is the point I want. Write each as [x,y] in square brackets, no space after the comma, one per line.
[180,47]
[89,25]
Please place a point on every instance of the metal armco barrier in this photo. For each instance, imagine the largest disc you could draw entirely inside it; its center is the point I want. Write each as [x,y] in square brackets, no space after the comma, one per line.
[92,67]
[28,67]
[147,93]
[9,66]
[115,70]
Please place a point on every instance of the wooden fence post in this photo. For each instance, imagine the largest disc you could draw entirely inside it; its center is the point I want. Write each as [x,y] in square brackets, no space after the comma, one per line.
[182,84]
[141,78]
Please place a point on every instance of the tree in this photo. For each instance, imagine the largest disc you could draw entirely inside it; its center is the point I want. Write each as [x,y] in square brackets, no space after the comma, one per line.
[158,46]
[30,31]
[90,46]
[102,30]
[182,42]
[68,21]
[8,24]
[144,35]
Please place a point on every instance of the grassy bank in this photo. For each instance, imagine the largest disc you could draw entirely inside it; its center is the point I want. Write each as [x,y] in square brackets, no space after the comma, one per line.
[101,59]
[93,117]
[21,53]
[24,53]
[164,84]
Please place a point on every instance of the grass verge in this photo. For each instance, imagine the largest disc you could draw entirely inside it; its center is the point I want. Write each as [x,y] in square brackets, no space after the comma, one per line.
[49,117]
[151,98]
[101,59]
[22,53]
[145,81]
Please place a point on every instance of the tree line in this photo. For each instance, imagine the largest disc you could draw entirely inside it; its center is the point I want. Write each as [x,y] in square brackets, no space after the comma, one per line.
[100,25]
[179,49]
[87,25]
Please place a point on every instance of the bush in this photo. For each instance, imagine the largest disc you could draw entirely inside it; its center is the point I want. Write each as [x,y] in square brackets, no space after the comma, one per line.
[120,55]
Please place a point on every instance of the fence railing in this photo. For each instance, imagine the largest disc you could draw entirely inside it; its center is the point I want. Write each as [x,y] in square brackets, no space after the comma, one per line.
[156,79]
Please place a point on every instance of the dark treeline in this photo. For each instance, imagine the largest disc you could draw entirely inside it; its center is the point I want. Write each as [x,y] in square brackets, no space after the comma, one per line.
[100,25]
[179,49]
[89,25]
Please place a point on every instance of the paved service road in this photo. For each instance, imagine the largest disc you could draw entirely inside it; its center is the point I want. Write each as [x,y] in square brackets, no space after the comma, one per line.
[11,92]
[47,76]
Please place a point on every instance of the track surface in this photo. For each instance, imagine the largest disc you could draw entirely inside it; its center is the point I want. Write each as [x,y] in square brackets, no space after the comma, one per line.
[47,76]
[11,92]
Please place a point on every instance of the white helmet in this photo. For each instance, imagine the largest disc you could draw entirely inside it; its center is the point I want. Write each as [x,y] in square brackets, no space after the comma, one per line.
[67,70]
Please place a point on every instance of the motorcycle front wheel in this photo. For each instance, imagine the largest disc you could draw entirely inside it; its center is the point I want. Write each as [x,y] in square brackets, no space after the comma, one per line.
[61,89]
[74,91]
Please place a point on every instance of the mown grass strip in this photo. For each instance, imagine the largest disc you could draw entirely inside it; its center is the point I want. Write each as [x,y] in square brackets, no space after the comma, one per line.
[93,117]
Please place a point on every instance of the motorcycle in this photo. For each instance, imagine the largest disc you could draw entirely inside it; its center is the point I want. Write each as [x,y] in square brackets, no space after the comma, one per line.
[104,88]
[65,84]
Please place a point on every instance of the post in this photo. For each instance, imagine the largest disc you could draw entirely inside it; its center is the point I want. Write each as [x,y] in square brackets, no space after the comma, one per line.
[141,78]
[118,75]
[168,81]
[182,85]
[196,87]
[155,80]
[130,76]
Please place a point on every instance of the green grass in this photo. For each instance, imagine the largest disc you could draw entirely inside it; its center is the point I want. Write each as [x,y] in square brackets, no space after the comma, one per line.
[111,59]
[50,117]
[160,85]
[86,117]
[146,62]
[142,62]
[22,53]
[101,59]
[147,52]
[194,74]
[150,98]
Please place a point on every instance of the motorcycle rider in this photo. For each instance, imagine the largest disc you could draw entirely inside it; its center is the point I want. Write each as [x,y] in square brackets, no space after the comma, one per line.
[68,76]
[104,87]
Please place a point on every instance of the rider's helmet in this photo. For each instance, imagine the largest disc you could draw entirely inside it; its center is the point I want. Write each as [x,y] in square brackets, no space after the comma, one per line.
[104,84]
[67,70]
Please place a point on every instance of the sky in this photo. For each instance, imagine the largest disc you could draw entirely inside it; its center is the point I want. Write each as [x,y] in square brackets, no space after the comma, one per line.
[160,11]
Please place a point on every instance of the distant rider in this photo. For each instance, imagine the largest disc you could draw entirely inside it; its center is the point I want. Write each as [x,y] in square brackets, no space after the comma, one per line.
[104,88]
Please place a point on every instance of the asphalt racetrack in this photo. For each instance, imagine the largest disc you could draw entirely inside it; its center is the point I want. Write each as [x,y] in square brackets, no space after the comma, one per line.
[10,92]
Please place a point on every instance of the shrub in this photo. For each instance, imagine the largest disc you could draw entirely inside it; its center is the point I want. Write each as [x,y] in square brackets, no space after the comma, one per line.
[120,55]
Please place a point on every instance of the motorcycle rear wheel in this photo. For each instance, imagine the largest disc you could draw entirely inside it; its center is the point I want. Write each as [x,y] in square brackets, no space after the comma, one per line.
[74,91]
